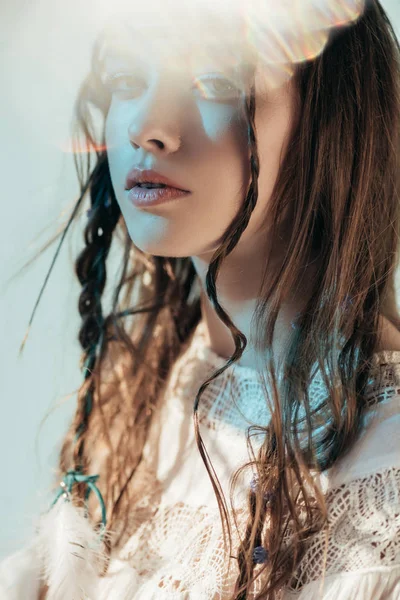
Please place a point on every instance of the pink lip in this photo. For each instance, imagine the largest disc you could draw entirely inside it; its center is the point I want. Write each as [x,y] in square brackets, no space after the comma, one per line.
[143,198]
[138,176]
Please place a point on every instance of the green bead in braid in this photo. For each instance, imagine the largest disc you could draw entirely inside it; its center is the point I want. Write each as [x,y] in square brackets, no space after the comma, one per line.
[72,477]
[76,475]
[92,275]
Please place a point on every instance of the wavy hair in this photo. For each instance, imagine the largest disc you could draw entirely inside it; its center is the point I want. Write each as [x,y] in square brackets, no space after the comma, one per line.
[342,167]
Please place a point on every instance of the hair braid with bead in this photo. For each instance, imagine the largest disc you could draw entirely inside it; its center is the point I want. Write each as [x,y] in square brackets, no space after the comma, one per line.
[90,269]
[321,203]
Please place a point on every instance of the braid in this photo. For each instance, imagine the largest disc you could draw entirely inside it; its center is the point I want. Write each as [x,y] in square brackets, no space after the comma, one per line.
[231,239]
[252,543]
[91,272]
[240,222]
[245,572]
[267,500]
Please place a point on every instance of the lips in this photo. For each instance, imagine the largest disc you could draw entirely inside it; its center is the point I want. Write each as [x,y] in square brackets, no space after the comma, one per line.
[136,176]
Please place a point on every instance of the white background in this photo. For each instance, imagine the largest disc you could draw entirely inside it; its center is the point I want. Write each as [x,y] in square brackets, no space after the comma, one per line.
[45,50]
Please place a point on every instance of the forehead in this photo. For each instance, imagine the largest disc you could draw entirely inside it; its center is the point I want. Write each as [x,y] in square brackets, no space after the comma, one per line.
[185,38]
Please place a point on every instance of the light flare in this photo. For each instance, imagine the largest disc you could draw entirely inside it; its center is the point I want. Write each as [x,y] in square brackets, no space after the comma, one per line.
[85,148]
[263,34]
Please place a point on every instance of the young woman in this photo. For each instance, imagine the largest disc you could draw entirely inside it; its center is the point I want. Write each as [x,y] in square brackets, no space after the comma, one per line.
[239,420]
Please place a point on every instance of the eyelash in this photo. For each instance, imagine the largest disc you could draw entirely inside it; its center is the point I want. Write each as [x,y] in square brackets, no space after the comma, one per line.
[109,82]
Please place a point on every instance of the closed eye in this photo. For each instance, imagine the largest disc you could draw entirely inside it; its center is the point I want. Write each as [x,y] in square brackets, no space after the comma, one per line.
[215,87]
[209,87]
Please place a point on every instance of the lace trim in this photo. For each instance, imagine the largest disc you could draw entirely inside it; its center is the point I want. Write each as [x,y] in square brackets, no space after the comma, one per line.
[243,385]
[177,550]
[179,553]
[363,529]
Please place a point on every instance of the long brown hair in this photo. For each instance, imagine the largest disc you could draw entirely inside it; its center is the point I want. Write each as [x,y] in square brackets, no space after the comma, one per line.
[342,169]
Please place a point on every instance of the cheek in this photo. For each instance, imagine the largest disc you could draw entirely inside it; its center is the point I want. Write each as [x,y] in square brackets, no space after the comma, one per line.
[224,144]
[218,121]
[273,124]
[112,127]
[273,121]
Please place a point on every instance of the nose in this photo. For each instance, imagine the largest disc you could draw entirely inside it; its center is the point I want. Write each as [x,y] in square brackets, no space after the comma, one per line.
[156,124]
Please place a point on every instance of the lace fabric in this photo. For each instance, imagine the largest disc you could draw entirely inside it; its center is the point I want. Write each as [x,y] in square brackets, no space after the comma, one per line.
[174,544]
[364,529]
[178,553]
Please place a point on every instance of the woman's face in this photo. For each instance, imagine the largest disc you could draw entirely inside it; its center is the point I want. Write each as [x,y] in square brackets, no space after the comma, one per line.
[177,110]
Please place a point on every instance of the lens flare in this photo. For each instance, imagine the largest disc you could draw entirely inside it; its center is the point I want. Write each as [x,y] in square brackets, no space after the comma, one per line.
[224,35]
[293,31]
[68,148]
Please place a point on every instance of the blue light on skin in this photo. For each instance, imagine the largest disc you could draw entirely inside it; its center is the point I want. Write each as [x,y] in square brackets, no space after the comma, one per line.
[161,118]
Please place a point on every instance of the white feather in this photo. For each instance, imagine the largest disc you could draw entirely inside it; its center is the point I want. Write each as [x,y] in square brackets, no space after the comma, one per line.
[121,581]
[70,552]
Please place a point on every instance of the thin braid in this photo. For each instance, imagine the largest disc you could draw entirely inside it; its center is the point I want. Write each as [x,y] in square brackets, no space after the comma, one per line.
[267,499]
[245,576]
[239,224]
[231,239]
[245,547]
[91,272]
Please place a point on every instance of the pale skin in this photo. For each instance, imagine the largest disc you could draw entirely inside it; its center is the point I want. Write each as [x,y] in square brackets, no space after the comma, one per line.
[201,144]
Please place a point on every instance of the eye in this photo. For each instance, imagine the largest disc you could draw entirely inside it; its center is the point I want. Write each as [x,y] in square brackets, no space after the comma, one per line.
[115,82]
[216,87]
[209,87]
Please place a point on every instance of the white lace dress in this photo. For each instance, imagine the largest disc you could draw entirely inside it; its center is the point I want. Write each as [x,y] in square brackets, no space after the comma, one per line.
[176,552]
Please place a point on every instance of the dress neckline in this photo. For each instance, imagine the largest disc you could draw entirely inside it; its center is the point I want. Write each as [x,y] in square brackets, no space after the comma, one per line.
[247,387]
[380,358]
